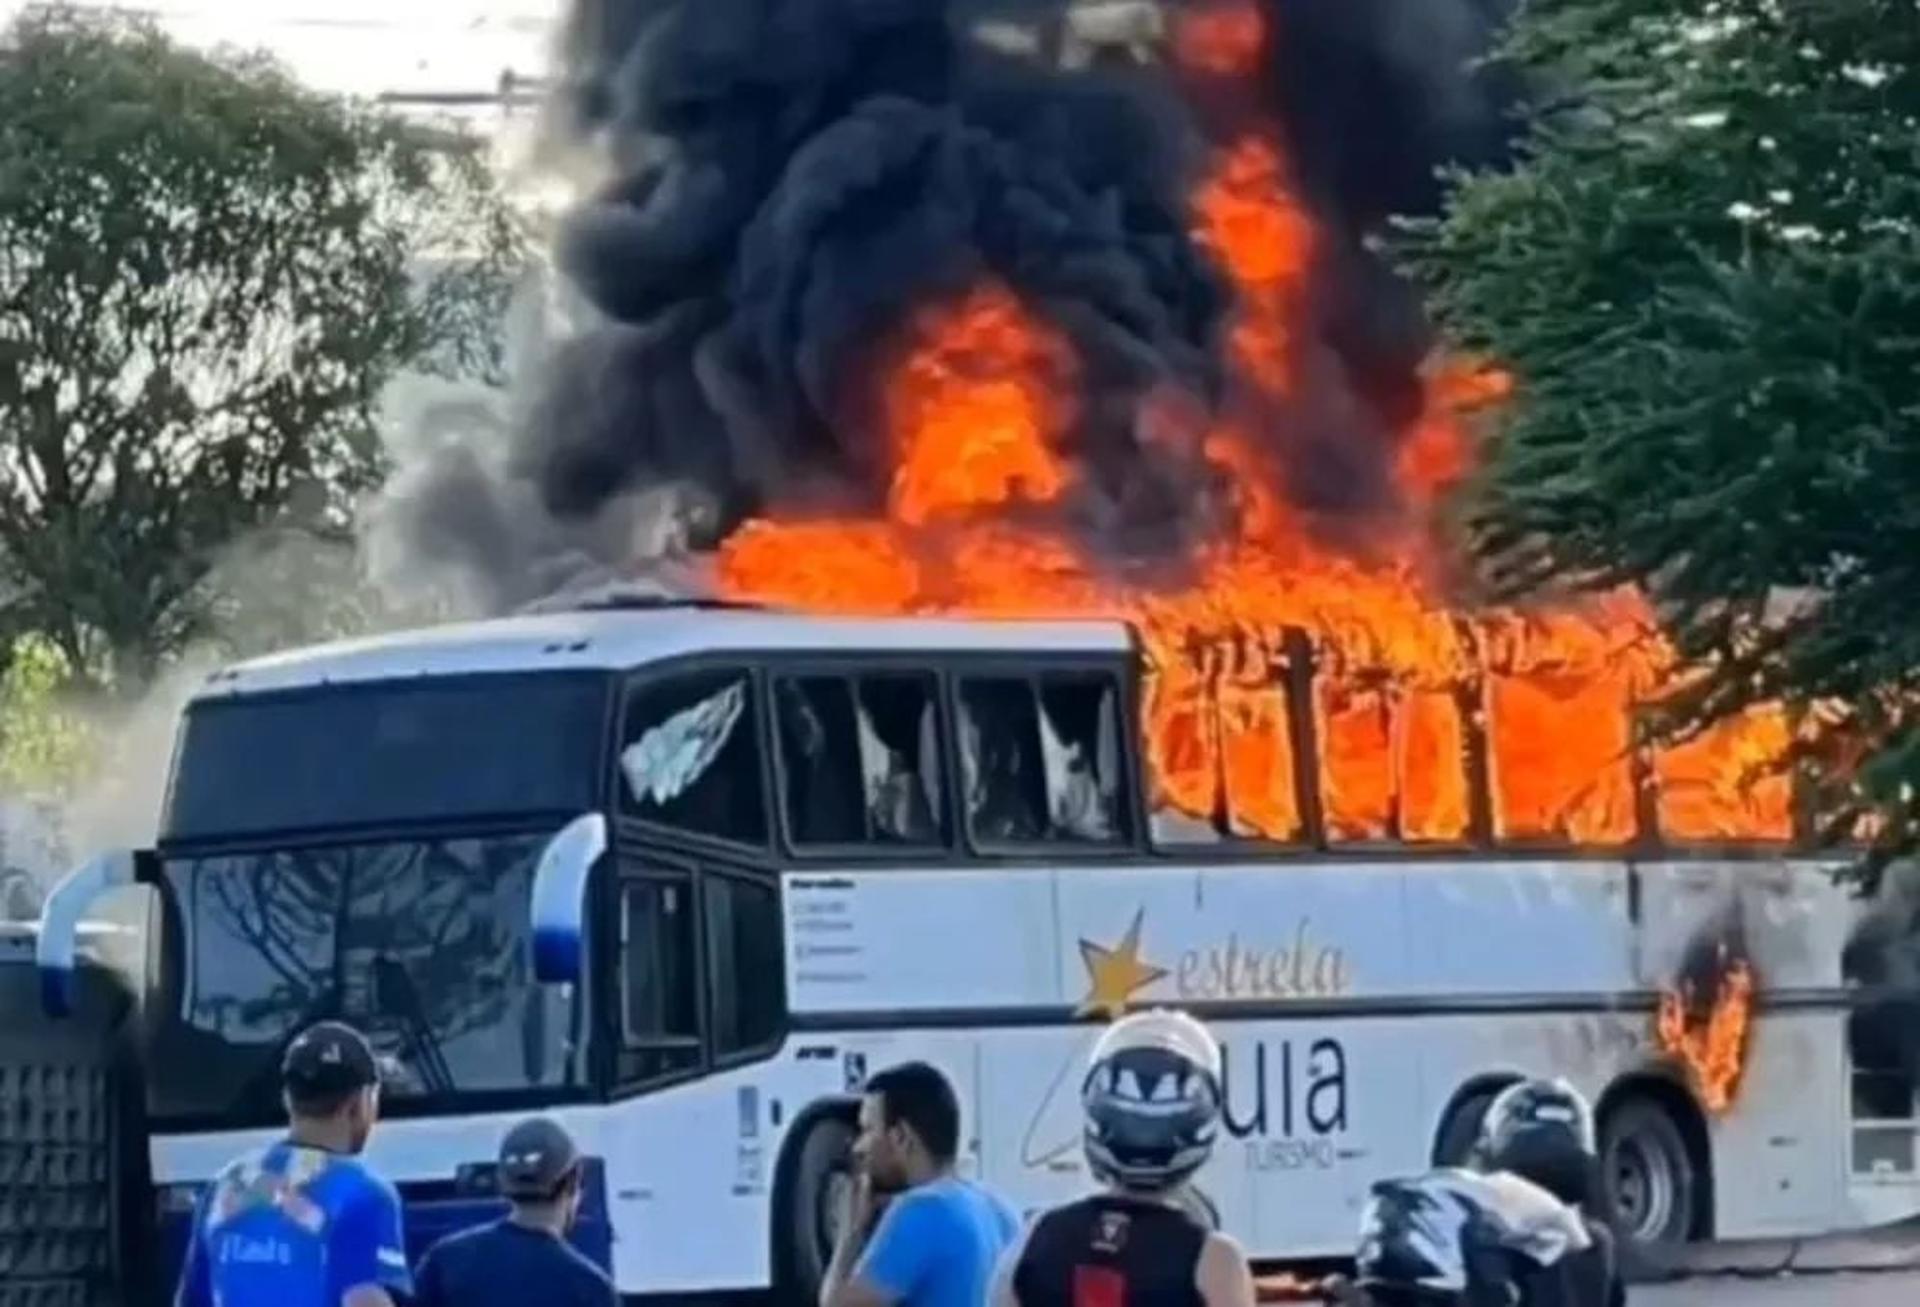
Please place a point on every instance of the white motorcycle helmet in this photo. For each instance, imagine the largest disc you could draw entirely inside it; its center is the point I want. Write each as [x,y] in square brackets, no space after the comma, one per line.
[1152,1101]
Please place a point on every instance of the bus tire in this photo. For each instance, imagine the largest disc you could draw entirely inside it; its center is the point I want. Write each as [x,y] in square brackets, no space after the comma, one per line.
[804,1216]
[1649,1178]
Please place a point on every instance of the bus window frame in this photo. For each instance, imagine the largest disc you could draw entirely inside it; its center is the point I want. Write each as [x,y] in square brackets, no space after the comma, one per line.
[622,1079]
[766,1048]
[634,864]
[612,697]
[1124,672]
[752,663]
[1296,687]
[851,667]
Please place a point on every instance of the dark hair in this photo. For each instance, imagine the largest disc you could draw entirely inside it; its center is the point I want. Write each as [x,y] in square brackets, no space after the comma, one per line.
[918,1096]
[318,1104]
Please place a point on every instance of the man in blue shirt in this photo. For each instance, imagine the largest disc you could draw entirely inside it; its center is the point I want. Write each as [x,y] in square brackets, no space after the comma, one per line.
[302,1223]
[522,1259]
[915,1234]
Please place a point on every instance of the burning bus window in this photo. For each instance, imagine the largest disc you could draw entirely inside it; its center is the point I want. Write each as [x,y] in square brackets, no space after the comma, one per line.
[690,756]
[1393,762]
[1560,764]
[1219,745]
[1262,794]
[1041,761]
[1724,783]
[1430,760]
[1178,726]
[1354,728]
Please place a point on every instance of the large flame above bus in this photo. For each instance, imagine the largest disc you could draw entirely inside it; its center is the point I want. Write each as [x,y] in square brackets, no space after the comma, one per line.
[978,404]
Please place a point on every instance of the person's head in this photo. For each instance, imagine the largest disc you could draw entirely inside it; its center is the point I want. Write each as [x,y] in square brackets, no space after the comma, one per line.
[1541,1130]
[1152,1101]
[909,1126]
[330,1081]
[539,1172]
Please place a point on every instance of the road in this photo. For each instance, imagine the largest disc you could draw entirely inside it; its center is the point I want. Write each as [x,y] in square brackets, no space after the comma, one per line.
[1785,1291]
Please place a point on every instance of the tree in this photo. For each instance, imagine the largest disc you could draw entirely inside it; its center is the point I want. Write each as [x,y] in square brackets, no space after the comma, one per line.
[1705,271]
[48,744]
[207,276]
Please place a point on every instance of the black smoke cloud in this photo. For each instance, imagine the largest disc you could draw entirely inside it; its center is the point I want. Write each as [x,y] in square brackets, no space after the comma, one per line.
[783,180]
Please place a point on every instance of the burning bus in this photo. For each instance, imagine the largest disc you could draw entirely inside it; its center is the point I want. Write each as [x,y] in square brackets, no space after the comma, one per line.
[1083,631]
[683,874]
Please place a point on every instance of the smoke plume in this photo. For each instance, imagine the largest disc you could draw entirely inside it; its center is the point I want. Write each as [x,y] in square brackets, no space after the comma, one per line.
[779,182]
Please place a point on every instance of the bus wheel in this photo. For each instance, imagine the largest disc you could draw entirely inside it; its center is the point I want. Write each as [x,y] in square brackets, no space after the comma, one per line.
[1461,1129]
[1647,1174]
[809,1208]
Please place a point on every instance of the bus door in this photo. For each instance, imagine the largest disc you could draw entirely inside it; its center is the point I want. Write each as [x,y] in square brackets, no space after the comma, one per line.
[697,1002]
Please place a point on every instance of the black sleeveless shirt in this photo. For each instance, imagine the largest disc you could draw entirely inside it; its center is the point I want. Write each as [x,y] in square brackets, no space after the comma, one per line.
[1110,1251]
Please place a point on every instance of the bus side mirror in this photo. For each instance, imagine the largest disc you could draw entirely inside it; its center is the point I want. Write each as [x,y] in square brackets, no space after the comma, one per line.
[559,905]
[57,948]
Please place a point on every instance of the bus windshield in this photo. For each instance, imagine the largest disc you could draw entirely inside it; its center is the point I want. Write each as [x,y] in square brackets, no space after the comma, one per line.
[421,943]
[367,852]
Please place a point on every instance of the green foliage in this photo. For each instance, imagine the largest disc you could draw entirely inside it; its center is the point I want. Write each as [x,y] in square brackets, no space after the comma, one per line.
[46,747]
[207,276]
[1705,272]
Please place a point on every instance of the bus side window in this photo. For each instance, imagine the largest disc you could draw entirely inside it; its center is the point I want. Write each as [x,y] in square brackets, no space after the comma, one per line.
[745,963]
[659,1012]
[900,759]
[820,755]
[1080,740]
[1041,759]
[690,756]
[860,759]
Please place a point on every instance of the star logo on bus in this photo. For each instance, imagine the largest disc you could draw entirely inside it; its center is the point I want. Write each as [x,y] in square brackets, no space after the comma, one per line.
[1115,975]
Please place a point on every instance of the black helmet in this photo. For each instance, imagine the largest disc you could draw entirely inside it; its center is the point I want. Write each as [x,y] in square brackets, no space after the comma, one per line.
[1152,1100]
[1541,1130]
[1454,1236]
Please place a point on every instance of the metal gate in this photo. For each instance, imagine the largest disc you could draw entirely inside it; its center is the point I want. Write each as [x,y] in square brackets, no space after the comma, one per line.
[73,1220]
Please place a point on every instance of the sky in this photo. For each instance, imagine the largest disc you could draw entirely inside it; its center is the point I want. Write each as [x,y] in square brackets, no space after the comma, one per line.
[367,47]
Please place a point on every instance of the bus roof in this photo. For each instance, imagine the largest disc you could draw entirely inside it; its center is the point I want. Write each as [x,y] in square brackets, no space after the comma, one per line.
[615,639]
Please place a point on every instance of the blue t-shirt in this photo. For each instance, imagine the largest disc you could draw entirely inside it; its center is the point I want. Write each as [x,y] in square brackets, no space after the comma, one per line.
[291,1226]
[939,1245]
[507,1265]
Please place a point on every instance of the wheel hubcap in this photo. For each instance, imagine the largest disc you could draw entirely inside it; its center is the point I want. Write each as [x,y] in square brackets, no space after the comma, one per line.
[1644,1188]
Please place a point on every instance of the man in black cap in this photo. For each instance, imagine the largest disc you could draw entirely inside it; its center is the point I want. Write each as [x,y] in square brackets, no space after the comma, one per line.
[524,1257]
[302,1223]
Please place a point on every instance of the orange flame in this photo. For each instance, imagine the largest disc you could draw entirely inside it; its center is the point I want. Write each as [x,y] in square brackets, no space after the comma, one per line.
[1389,683]
[1248,218]
[1221,40]
[1713,1047]
[976,417]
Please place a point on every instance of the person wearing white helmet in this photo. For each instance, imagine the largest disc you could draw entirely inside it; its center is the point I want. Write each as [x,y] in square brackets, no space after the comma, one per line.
[1152,1099]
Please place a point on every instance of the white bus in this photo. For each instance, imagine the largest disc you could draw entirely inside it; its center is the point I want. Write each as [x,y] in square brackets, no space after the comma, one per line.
[684,875]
